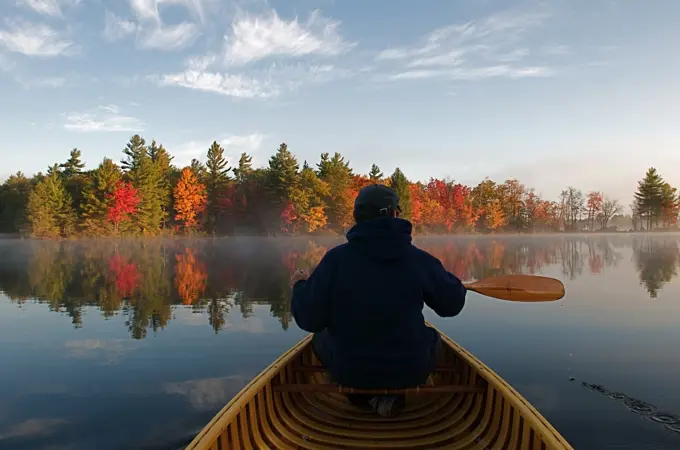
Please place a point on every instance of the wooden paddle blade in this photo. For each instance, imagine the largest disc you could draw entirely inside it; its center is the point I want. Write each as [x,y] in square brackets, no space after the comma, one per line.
[519,288]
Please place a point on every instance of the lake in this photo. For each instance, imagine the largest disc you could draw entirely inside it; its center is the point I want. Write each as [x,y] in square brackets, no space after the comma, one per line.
[136,344]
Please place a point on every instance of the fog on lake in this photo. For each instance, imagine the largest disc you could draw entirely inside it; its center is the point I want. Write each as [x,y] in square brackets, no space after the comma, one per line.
[137,343]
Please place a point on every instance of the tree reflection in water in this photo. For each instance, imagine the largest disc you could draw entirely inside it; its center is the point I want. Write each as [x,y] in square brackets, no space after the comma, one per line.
[145,279]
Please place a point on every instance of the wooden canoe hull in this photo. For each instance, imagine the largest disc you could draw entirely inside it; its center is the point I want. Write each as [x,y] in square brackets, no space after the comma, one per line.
[261,416]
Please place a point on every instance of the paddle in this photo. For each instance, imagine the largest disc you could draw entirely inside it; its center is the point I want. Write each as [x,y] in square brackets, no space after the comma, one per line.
[519,288]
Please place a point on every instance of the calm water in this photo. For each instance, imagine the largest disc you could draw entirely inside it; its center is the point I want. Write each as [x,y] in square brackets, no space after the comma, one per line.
[137,344]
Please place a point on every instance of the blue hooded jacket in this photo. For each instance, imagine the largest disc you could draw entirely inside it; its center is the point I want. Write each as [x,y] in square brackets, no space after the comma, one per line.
[369,294]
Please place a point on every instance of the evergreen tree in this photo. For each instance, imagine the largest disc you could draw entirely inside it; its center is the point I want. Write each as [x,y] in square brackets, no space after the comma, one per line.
[95,208]
[282,174]
[73,166]
[217,178]
[13,199]
[163,164]
[147,176]
[375,174]
[244,169]
[650,196]
[74,179]
[198,169]
[49,209]
[399,183]
[135,150]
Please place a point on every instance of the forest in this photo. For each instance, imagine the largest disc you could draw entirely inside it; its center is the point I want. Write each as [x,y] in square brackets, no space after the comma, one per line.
[145,194]
[144,280]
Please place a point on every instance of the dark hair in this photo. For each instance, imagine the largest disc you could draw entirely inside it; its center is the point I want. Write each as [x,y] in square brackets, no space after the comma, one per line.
[368,212]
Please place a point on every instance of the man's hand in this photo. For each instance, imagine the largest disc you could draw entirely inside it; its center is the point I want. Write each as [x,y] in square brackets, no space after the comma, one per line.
[299,274]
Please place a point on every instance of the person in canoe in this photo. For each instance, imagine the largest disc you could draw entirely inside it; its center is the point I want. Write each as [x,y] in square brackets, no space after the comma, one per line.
[364,303]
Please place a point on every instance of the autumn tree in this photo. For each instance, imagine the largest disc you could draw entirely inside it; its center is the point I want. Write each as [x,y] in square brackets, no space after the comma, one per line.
[190,198]
[593,208]
[123,203]
[337,174]
[307,200]
[670,204]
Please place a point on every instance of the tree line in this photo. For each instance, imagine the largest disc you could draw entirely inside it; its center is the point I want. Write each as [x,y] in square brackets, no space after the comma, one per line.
[145,194]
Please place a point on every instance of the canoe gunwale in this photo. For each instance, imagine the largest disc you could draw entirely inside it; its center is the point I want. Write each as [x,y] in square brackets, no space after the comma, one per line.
[540,423]
[214,428]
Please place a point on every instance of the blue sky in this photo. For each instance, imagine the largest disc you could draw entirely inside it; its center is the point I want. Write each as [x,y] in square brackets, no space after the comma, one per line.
[551,92]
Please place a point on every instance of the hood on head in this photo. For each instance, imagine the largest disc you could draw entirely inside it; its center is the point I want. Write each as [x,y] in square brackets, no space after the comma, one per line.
[381,238]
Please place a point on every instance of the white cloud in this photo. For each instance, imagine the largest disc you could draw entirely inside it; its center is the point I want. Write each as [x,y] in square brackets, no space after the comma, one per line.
[233,145]
[230,85]
[254,38]
[478,73]
[154,34]
[35,40]
[117,28]
[103,118]
[263,84]
[170,37]
[48,7]
[471,51]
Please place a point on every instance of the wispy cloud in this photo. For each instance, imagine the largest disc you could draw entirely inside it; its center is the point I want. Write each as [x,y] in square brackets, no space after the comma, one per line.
[264,83]
[35,40]
[102,119]
[254,38]
[153,33]
[108,351]
[475,50]
[169,37]
[48,7]
[116,28]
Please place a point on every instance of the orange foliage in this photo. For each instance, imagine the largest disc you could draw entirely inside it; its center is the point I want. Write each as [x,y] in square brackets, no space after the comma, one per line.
[190,198]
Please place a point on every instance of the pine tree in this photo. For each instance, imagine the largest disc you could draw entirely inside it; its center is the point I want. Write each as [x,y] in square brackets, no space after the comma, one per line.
[135,150]
[650,196]
[163,163]
[13,199]
[49,209]
[217,179]
[73,166]
[96,199]
[244,169]
[282,174]
[399,183]
[375,174]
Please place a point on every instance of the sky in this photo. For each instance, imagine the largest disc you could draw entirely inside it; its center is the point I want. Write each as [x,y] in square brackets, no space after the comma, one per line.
[552,92]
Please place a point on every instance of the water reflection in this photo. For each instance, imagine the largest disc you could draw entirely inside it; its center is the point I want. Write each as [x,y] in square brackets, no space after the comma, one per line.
[144,280]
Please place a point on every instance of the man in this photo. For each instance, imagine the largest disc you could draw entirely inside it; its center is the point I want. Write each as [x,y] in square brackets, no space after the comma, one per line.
[364,302]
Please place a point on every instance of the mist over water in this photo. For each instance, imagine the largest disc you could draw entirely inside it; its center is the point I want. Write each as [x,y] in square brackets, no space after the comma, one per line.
[138,343]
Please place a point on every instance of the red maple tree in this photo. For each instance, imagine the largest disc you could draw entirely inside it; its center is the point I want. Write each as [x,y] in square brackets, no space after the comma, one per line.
[123,203]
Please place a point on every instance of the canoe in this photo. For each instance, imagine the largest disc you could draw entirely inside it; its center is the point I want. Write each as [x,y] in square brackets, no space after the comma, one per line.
[292,405]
